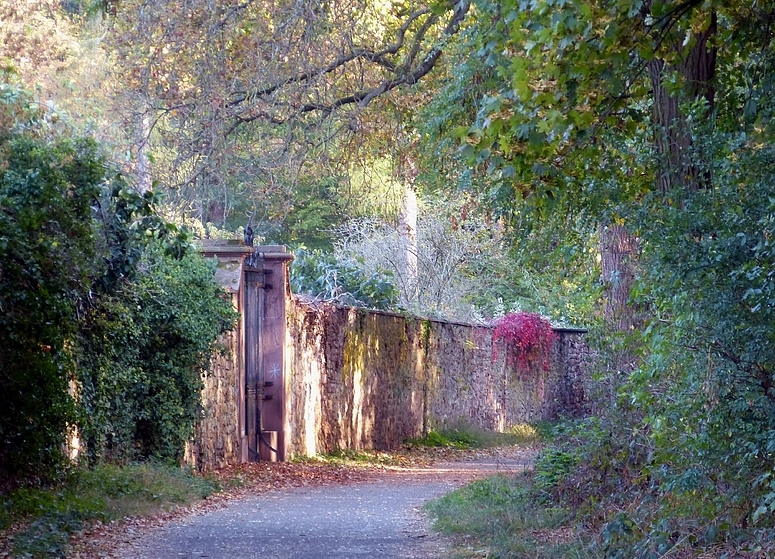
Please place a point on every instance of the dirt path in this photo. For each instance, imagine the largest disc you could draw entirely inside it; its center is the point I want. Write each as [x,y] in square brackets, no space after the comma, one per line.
[379,516]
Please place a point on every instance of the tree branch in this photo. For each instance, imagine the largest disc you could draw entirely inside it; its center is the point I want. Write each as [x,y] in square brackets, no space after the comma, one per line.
[365,54]
[365,96]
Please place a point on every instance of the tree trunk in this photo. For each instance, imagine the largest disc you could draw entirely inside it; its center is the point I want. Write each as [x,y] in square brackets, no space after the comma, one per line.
[143,133]
[680,168]
[407,228]
[618,256]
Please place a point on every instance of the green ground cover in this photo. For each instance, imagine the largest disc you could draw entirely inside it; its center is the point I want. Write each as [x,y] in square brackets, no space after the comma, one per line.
[42,520]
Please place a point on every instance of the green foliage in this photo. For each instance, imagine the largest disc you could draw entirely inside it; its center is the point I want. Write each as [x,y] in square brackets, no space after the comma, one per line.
[104,493]
[567,116]
[321,276]
[433,438]
[552,466]
[141,354]
[464,435]
[315,210]
[46,260]
[684,460]
[94,325]
[711,348]
[500,517]
[597,468]
[546,260]
[349,457]
[127,223]
[547,78]
[549,270]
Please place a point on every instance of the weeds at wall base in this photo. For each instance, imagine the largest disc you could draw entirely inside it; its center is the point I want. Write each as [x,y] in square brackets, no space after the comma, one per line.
[463,435]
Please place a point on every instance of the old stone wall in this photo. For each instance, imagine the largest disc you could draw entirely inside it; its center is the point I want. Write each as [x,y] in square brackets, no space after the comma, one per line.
[346,378]
[216,441]
[353,379]
[366,379]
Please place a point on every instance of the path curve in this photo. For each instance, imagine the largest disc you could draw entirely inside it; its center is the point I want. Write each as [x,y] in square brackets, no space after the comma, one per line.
[380,517]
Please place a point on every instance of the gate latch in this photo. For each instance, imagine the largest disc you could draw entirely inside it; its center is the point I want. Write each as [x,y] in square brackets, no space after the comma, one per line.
[260,390]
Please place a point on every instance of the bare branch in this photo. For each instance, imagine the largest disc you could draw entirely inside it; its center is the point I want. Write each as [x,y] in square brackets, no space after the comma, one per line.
[355,54]
[363,97]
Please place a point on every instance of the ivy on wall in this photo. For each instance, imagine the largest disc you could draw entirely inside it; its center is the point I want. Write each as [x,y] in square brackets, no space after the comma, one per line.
[107,315]
[528,338]
[140,354]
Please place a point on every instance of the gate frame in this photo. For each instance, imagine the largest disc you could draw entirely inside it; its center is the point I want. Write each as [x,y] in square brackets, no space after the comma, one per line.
[233,260]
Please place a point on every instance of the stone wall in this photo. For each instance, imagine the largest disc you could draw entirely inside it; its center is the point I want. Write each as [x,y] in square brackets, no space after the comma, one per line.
[366,379]
[346,378]
[216,442]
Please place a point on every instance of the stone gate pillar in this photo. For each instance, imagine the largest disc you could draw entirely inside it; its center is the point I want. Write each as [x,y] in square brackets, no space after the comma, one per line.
[220,433]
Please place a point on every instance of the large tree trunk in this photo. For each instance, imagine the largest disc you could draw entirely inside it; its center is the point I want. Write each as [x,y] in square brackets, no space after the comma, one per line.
[679,171]
[619,252]
[680,168]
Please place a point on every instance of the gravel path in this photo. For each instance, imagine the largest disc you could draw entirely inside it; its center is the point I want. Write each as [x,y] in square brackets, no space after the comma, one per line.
[380,517]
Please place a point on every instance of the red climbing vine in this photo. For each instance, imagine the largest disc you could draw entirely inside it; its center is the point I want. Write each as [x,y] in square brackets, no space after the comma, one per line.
[528,338]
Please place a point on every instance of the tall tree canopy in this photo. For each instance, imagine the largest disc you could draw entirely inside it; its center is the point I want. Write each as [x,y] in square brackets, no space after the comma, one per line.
[227,93]
[558,80]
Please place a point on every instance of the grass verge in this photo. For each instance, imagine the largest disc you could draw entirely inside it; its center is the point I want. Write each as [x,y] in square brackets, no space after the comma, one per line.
[447,443]
[354,458]
[502,517]
[42,520]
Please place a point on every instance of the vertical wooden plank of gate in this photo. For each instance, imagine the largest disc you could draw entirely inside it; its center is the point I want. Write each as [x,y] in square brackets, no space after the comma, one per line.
[273,420]
[253,284]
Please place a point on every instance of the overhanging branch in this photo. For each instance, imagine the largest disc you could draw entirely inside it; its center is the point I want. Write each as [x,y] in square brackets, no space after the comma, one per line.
[409,72]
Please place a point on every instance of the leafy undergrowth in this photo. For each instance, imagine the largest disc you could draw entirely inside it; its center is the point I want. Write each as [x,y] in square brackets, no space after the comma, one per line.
[38,522]
[503,517]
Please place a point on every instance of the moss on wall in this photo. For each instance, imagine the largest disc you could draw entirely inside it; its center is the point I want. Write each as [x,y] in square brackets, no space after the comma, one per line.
[216,441]
[360,379]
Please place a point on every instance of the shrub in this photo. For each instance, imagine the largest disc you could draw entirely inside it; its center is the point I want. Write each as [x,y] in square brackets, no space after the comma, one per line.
[46,260]
[141,353]
[321,276]
[95,326]
[529,338]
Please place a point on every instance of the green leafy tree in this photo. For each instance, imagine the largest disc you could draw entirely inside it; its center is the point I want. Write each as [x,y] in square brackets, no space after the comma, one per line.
[46,255]
[652,118]
[74,260]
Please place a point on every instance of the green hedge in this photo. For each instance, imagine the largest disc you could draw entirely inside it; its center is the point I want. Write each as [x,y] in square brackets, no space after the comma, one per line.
[107,315]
